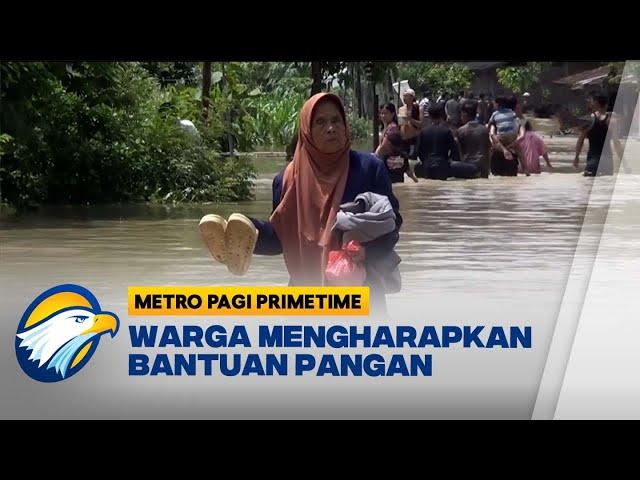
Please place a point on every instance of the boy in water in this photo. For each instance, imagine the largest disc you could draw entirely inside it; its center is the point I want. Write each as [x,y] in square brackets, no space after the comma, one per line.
[504,128]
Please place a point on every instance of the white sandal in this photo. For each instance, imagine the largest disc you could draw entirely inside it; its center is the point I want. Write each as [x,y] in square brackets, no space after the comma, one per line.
[241,237]
[213,231]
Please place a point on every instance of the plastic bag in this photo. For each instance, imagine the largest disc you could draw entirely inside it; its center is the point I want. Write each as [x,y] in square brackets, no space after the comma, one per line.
[346,267]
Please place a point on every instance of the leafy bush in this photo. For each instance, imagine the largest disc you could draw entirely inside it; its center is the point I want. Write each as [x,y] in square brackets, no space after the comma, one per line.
[360,128]
[102,132]
[273,118]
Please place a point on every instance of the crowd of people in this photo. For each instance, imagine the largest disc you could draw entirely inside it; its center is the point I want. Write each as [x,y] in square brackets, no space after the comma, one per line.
[460,136]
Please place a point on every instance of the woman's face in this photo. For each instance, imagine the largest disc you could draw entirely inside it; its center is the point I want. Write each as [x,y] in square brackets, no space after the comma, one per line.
[408,99]
[328,130]
[386,116]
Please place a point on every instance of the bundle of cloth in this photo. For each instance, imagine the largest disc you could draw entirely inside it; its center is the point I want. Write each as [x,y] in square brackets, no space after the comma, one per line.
[368,217]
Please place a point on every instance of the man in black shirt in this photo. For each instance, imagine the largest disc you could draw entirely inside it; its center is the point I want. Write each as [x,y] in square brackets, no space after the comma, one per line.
[437,146]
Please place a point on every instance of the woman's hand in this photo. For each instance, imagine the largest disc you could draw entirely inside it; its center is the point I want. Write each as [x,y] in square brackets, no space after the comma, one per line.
[395,162]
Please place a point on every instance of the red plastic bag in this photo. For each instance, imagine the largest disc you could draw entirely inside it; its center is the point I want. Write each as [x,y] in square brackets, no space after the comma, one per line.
[346,267]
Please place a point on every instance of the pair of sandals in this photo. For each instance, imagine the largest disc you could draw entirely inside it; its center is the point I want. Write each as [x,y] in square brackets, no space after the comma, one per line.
[230,242]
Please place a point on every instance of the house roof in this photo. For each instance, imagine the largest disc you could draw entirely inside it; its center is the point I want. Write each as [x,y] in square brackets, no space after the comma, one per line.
[587,77]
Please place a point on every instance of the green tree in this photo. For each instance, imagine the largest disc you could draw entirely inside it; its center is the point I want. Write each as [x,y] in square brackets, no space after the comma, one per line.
[521,78]
[436,77]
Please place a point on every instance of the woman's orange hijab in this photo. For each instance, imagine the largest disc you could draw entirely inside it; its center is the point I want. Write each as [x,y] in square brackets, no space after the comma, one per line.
[312,190]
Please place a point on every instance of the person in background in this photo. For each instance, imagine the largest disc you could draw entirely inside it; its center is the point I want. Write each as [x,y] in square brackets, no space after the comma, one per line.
[390,149]
[473,138]
[437,146]
[409,122]
[504,130]
[483,108]
[424,109]
[599,158]
[389,120]
[397,160]
[452,110]
[532,148]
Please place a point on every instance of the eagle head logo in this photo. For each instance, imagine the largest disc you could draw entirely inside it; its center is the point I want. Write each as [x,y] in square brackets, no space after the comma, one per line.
[59,332]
